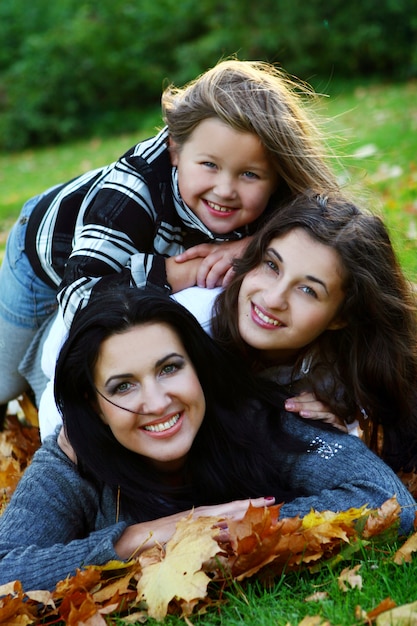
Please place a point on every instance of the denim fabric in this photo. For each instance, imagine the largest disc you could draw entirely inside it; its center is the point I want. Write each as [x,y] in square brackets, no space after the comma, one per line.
[25,303]
[25,300]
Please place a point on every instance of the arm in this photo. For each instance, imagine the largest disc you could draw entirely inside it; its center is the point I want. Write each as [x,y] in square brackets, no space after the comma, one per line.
[49,529]
[139,537]
[339,472]
[124,230]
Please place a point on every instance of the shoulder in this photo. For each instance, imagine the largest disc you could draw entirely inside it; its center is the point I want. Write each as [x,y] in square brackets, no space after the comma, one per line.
[200,302]
[152,148]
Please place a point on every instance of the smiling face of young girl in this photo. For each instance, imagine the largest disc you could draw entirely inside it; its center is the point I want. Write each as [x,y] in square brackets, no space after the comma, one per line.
[292,297]
[225,176]
[149,394]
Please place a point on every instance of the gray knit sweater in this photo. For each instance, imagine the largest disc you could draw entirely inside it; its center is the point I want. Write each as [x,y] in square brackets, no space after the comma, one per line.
[57,521]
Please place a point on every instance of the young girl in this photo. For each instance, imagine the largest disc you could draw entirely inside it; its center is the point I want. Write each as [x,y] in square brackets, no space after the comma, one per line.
[319,302]
[146,402]
[235,138]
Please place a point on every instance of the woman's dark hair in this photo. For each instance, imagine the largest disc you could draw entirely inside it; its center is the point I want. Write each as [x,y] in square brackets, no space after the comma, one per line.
[374,357]
[228,459]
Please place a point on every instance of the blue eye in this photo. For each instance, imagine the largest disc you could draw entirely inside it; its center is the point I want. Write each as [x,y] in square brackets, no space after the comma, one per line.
[172,367]
[272,265]
[250,175]
[121,388]
[309,291]
[209,164]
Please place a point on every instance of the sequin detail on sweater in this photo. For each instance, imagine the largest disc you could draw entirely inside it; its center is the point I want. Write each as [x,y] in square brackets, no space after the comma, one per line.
[324,449]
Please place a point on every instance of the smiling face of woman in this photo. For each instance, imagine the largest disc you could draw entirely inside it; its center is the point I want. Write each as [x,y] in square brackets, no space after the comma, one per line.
[292,297]
[147,371]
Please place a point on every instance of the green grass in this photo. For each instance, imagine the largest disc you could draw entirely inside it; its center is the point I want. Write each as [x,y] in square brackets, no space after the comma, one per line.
[286,601]
[376,127]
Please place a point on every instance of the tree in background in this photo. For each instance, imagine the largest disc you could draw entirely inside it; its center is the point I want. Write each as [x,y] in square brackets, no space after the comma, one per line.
[76,68]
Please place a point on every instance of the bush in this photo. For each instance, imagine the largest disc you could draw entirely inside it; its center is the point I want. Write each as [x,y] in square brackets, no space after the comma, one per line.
[69,69]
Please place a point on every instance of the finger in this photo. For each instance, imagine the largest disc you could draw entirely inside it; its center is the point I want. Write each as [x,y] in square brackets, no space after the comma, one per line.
[196,252]
[217,271]
[304,396]
[227,277]
[328,418]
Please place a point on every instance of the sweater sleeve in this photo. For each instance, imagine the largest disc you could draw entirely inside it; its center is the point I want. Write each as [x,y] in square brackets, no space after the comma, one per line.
[126,227]
[337,472]
[54,523]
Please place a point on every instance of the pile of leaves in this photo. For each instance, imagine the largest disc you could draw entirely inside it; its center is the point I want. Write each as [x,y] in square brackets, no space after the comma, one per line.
[191,571]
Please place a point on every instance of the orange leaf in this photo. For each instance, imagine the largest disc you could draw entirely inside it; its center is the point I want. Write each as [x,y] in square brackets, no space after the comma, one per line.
[381,519]
[383,606]
[403,554]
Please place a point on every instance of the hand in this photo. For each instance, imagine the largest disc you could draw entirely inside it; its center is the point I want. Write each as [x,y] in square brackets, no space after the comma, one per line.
[181,275]
[138,537]
[307,405]
[215,269]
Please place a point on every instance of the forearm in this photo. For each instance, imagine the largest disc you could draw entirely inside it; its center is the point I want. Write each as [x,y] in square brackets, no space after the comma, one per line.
[43,568]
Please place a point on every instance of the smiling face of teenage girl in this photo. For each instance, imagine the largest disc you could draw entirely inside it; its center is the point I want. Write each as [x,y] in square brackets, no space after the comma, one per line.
[147,371]
[224,176]
[292,297]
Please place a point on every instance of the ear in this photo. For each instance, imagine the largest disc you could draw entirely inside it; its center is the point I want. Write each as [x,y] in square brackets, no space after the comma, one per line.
[337,324]
[173,150]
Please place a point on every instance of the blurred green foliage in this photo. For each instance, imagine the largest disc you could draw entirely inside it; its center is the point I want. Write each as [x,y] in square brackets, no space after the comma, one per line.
[77,68]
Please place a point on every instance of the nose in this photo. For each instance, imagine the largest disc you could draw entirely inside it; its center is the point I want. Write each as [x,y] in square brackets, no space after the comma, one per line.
[276,298]
[225,186]
[153,399]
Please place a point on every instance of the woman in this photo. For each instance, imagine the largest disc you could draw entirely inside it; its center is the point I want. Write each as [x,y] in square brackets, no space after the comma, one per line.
[147,406]
[319,302]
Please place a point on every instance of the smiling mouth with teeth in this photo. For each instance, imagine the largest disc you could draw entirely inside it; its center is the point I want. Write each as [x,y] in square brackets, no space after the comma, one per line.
[219,208]
[265,318]
[158,428]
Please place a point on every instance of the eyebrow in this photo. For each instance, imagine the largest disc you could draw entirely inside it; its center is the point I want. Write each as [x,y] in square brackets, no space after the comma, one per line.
[158,363]
[313,279]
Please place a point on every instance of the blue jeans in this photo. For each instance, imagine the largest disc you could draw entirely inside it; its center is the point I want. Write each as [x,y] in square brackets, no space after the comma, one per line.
[25,303]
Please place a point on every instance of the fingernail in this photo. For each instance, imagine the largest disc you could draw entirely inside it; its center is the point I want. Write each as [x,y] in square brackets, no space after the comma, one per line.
[289,405]
[269,498]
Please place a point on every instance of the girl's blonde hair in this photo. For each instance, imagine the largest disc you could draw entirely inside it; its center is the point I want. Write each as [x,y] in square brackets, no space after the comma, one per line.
[256,97]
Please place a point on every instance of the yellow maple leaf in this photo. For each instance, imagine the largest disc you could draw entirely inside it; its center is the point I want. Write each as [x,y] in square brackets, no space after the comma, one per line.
[315,518]
[179,574]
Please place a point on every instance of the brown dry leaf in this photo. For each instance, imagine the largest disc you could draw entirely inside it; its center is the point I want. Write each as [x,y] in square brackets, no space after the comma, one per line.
[403,554]
[179,575]
[317,596]
[313,620]
[410,481]
[14,610]
[351,577]
[405,615]
[29,410]
[384,605]
[381,519]
[18,444]
[261,539]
